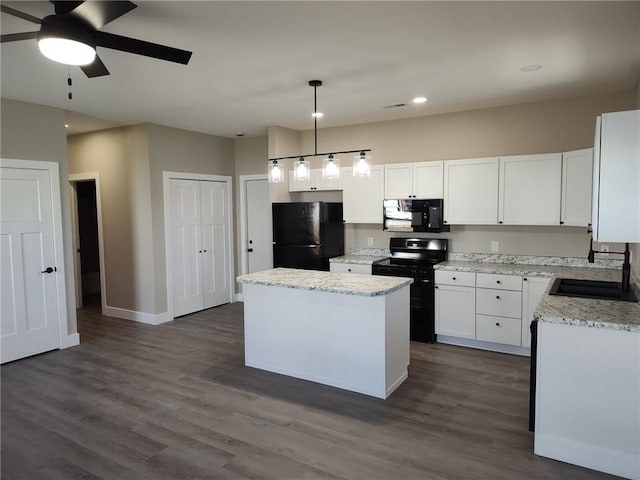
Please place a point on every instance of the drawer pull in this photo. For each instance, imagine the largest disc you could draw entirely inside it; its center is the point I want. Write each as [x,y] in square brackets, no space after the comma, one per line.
[498,297]
[453,278]
[498,282]
[497,324]
[348,269]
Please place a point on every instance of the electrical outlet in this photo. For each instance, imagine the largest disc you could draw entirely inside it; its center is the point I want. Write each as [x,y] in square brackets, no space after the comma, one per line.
[604,248]
[369,241]
[495,246]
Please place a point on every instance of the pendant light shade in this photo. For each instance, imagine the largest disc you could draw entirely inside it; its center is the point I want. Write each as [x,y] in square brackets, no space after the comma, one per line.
[362,165]
[330,167]
[302,172]
[276,175]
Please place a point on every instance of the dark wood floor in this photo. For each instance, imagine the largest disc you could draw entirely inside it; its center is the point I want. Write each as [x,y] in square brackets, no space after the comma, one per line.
[137,402]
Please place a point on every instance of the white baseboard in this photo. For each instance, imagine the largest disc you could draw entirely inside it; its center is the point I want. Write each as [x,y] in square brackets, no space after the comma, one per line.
[598,458]
[479,344]
[70,341]
[142,317]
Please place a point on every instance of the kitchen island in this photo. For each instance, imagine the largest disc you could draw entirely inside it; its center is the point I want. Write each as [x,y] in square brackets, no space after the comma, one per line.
[340,329]
[588,383]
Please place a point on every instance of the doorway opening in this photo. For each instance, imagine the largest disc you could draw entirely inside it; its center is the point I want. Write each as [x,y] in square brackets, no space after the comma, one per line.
[89,266]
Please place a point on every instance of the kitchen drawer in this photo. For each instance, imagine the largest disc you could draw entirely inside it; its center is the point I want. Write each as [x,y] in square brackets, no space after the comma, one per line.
[502,282]
[498,329]
[462,279]
[336,267]
[502,303]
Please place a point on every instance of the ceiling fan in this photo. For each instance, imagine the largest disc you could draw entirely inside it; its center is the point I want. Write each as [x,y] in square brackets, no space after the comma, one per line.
[72,34]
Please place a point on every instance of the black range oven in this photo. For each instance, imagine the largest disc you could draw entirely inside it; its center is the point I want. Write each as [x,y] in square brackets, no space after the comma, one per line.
[415,258]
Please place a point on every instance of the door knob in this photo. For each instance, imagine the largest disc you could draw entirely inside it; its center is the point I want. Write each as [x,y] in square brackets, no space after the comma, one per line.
[249,250]
[49,270]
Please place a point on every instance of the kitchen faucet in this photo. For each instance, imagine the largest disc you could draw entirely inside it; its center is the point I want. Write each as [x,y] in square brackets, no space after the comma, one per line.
[626,266]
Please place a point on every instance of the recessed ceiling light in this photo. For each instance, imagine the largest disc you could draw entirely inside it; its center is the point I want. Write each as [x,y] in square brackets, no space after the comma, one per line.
[239,134]
[317,114]
[419,100]
[66,125]
[531,68]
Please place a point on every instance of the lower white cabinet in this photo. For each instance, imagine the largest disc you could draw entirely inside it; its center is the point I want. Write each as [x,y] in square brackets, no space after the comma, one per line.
[335,267]
[455,305]
[493,308]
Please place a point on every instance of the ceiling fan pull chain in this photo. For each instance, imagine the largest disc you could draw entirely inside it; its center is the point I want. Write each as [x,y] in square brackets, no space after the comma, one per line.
[70,83]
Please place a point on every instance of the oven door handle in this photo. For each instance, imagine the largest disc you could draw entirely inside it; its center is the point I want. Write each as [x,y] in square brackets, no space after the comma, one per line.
[423,281]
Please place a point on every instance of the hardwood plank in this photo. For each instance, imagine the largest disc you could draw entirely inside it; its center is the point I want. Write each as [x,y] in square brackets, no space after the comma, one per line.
[140,402]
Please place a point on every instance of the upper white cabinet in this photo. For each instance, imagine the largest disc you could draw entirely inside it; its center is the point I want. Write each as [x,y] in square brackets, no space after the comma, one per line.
[471,191]
[577,178]
[362,197]
[316,182]
[616,178]
[413,180]
[529,189]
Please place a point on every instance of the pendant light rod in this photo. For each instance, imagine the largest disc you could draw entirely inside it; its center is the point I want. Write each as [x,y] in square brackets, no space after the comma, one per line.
[315,84]
[360,150]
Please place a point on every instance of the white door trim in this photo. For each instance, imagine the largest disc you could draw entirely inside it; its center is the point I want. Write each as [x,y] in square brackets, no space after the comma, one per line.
[65,340]
[244,258]
[79,177]
[166,176]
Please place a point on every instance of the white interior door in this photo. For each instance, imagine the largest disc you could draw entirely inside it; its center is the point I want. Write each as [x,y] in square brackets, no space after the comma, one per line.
[259,239]
[185,246]
[216,225]
[29,303]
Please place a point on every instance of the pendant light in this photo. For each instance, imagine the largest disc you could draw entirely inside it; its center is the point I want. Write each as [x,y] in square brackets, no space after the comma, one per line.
[276,175]
[362,165]
[330,167]
[302,172]
[330,164]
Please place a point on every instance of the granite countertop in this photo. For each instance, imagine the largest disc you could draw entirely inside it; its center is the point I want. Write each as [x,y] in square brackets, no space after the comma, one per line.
[344,283]
[357,259]
[586,312]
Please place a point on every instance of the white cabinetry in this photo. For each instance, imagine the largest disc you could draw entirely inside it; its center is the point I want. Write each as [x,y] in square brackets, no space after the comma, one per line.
[455,299]
[577,179]
[336,267]
[499,308]
[471,191]
[362,197]
[413,180]
[616,178]
[315,182]
[533,289]
[529,189]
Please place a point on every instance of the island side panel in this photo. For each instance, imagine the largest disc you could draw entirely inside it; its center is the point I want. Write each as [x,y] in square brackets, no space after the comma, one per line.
[329,338]
[588,397]
[397,338]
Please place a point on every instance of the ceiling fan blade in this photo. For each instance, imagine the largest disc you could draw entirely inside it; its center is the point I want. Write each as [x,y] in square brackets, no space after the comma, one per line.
[19,14]
[64,7]
[95,68]
[14,37]
[99,12]
[140,47]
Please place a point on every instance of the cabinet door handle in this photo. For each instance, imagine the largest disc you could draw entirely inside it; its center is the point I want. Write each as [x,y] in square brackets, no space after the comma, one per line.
[453,278]
[498,282]
[498,297]
[249,250]
[436,286]
[500,222]
[348,269]
[497,324]
[524,279]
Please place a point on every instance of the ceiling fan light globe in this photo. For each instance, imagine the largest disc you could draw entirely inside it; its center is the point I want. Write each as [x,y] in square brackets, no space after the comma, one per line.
[66,51]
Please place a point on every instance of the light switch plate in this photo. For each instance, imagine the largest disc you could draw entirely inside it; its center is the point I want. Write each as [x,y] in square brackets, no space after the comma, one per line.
[495,246]
[369,241]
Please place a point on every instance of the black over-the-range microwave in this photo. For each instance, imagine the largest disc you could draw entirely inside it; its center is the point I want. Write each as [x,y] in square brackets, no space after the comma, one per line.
[414,215]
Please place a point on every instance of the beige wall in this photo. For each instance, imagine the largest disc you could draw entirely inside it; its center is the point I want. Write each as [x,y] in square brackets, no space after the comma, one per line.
[36,132]
[553,126]
[175,150]
[131,162]
[121,158]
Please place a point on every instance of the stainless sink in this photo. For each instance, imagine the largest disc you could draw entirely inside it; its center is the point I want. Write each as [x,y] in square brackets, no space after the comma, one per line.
[570,287]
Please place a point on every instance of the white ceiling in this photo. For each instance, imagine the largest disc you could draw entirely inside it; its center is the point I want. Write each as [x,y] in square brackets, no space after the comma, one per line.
[252,61]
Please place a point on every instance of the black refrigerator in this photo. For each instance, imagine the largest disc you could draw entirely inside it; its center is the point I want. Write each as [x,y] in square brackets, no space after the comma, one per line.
[307,234]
